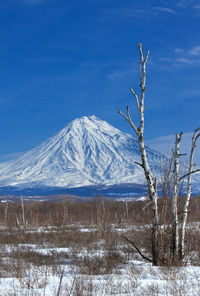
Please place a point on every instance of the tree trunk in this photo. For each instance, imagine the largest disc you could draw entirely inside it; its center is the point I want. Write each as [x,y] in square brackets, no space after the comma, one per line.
[144,162]
[153,197]
[175,232]
[189,181]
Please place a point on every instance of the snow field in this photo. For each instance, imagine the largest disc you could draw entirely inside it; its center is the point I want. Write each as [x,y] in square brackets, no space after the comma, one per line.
[74,248]
[97,269]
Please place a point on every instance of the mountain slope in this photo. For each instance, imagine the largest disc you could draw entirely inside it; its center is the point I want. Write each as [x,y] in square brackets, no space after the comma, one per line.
[88,151]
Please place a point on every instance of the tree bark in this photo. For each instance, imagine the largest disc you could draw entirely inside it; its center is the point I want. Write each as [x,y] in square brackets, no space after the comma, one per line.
[148,175]
[196,135]
[175,233]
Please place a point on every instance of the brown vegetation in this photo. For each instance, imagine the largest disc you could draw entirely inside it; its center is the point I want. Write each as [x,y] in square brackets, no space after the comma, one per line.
[91,235]
[60,224]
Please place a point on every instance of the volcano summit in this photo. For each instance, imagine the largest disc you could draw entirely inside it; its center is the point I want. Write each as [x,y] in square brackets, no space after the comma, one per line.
[88,151]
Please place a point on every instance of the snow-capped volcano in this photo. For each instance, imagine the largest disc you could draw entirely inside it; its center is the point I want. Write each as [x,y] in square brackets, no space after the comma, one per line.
[88,151]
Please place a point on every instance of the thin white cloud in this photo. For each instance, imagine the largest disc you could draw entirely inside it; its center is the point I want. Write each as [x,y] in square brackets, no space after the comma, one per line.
[195,51]
[183,57]
[166,9]
[134,11]
[186,3]
[119,74]
[130,69]
[190,56]
[184,61]
[178,50]
[116,75]
[197,6]
[165,145]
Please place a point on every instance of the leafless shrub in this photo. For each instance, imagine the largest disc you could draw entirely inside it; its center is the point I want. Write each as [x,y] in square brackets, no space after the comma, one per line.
[90,249]
[83,287]
[195,279]
[175,280]
[98,265]
[152,290]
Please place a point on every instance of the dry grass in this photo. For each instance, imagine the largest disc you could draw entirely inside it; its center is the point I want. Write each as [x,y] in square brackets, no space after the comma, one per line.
[90,234]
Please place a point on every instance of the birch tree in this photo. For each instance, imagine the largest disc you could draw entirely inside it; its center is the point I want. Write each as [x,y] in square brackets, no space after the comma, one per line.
[151,183]
[191,171]
[175,230]
[177,241]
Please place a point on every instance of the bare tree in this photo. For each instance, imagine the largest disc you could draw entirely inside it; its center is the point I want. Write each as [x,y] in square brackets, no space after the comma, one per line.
[177,241]
[177,227]
[191,170]
[151,183]
[175,231]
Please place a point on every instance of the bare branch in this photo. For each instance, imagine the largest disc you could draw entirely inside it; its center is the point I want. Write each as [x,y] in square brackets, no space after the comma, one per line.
[146,58]
[133,244]
[141,53]
[140,72]
[195,136]
[136,97]
[140,164]
[144,161]
[143,209]
[119,111]
[196,130]
[179,136]
[128,118]
[128,114]
[190,173]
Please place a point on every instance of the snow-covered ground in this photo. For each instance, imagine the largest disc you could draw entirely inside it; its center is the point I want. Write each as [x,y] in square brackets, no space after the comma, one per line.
[136,278]
[85,271]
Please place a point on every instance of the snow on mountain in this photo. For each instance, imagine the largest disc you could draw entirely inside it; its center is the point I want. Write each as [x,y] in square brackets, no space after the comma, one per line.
[88,151]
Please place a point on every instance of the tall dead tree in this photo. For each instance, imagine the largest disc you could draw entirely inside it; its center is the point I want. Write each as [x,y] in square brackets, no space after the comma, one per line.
[191,170]
[175,226]
[178,241]
[151,183]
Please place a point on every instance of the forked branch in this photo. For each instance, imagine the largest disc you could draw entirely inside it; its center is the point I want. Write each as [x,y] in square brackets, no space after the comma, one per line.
[128,118]
[144,161]
[141,54]
[136,97]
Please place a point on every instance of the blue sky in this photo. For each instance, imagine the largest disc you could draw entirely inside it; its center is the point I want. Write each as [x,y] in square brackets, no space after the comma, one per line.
[63,59]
